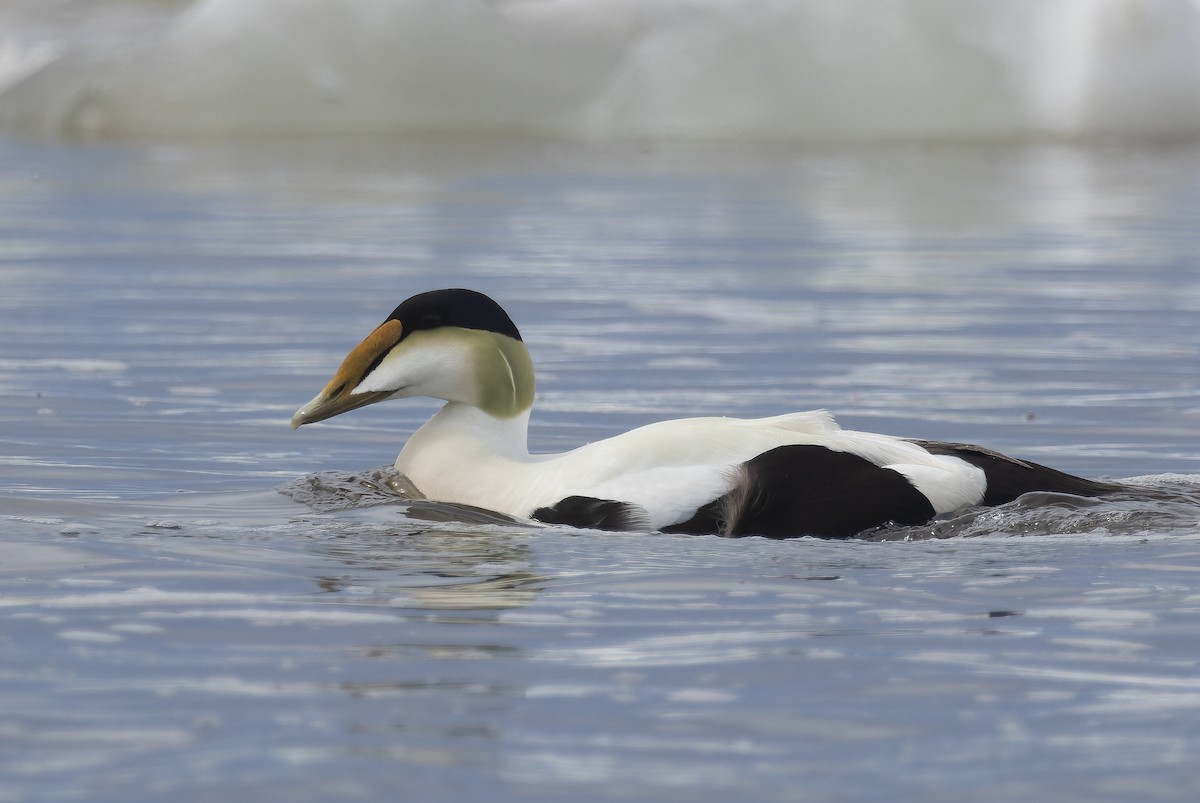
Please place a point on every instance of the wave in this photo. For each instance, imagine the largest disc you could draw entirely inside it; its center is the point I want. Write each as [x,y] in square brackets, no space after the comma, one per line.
[1155,505]
[382,501]
[798,70]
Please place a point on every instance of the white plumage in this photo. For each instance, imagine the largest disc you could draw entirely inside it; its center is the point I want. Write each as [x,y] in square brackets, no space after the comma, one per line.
[669,469]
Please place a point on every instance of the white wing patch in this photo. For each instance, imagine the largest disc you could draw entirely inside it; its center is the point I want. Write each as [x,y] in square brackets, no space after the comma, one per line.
[952,487]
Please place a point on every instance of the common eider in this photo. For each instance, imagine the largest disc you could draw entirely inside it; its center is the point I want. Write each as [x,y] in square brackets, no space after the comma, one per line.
[785,476]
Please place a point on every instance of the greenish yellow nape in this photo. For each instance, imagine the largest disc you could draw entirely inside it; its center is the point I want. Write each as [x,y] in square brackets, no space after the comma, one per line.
[504,373]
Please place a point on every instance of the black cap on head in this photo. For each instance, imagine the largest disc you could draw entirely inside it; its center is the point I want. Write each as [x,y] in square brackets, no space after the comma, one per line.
[466,309]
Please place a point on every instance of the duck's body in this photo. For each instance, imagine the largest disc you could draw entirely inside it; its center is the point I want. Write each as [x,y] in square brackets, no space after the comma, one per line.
[789,475]
[667,470]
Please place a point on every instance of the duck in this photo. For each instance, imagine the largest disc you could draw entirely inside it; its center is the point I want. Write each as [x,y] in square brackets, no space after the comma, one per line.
[790,475]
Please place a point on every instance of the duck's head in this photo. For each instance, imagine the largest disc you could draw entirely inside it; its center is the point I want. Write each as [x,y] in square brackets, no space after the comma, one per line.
[457,345]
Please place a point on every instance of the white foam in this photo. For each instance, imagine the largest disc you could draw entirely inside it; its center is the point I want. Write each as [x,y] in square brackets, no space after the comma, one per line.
[89,636]
[71,366]
[148,595]
[149,737]
[1086,618]
[972,69]
[275,616]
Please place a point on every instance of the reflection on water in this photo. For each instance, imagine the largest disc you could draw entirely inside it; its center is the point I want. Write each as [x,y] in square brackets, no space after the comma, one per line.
[351,642]
[437,568]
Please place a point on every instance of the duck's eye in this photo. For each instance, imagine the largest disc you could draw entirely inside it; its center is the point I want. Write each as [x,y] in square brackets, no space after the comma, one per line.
[430,320]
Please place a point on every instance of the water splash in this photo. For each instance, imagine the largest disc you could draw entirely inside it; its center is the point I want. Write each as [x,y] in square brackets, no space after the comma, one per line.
[337,491]
[1162,505]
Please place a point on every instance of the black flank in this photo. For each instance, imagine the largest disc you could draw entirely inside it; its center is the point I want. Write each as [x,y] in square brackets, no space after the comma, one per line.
[1008,478]
[793,491]
[708,520]
[597,514]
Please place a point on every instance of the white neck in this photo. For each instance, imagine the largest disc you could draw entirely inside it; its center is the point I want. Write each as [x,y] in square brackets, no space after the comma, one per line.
[462,449]
[457,421]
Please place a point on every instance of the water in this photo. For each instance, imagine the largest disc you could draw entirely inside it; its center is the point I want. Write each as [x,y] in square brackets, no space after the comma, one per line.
[174,624]
[198,602]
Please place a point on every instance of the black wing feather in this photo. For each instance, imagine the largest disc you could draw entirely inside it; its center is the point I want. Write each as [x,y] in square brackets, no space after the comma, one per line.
[1008,477]
[597,514]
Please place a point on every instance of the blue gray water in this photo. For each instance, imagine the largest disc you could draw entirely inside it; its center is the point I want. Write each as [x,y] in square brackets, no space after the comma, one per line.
[197,602]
